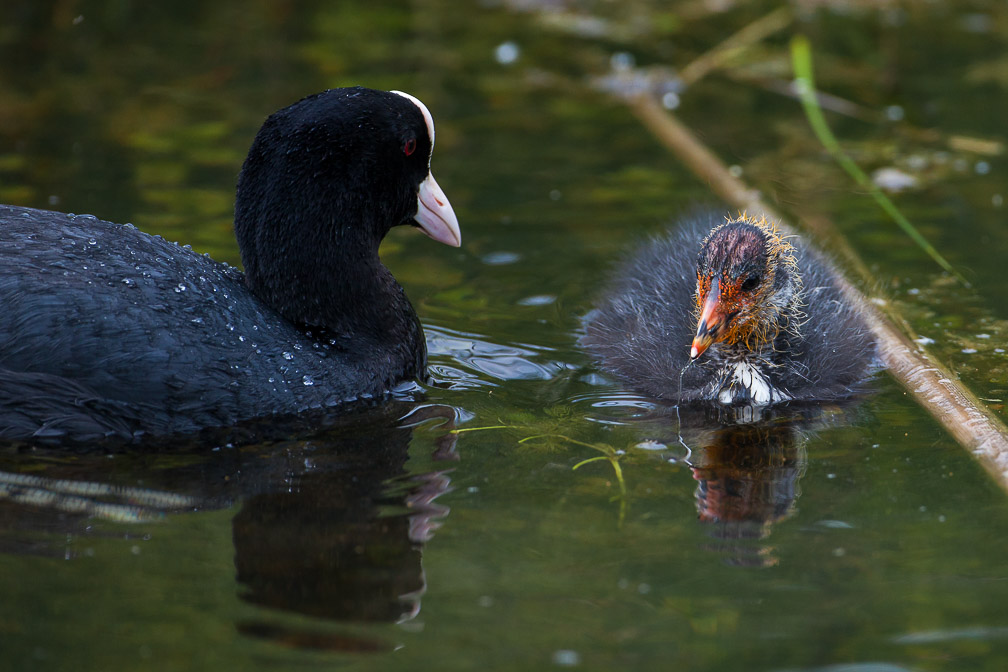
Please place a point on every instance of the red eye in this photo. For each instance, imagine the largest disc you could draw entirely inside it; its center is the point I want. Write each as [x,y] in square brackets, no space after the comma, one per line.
[409,147]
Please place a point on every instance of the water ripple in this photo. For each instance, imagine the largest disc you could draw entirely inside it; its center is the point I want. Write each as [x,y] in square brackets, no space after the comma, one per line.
[464,360]
[938,636]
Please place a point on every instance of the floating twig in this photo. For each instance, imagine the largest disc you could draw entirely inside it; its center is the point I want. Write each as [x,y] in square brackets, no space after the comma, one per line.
[757,31]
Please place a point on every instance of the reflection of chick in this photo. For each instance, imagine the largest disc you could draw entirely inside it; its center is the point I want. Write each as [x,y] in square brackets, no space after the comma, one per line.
[747,478]
[748,473]
[765,317]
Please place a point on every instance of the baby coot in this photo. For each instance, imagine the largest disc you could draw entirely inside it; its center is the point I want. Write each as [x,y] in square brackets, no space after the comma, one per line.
[108,331]
[730,312]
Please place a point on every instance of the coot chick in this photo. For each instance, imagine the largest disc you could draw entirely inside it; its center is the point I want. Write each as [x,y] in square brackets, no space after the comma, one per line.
[745,315]
[108,331]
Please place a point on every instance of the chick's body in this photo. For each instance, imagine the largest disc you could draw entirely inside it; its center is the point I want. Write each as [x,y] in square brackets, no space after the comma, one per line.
[765,316]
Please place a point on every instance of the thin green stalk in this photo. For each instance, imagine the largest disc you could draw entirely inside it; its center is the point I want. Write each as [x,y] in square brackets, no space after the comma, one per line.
[608,454]
[801,59]
[477,429]
[588,461]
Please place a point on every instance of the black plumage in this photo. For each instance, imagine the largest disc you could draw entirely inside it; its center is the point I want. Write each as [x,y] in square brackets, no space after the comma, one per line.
[109,331]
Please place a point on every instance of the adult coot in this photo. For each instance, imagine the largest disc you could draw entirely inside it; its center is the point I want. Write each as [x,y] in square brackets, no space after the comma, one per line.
[763,312]
[106,330]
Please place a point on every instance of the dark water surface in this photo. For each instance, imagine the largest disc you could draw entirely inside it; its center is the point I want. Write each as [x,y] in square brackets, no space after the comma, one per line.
[842,538]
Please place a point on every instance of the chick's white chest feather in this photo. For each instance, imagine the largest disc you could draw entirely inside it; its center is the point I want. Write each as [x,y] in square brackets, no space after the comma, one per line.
[755,382]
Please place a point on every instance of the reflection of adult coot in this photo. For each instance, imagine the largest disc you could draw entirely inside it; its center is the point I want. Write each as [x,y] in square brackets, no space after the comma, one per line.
[330,524]
[338,534]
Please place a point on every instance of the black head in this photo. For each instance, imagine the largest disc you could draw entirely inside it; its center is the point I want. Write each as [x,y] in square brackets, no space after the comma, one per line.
[325,179]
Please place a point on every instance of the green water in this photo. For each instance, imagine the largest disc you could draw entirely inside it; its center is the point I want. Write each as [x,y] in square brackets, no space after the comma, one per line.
[863,539]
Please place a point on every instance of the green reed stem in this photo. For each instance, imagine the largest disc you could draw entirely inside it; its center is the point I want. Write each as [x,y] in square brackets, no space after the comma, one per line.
[801,59]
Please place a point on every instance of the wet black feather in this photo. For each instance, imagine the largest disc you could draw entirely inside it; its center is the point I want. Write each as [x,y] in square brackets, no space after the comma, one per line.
[109,331]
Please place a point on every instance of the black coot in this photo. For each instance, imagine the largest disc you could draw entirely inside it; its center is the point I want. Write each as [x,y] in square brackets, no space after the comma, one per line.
[765,317]
[108,331]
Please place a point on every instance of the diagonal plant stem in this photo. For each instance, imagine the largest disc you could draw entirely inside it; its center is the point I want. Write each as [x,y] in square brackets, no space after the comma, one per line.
[801,59]
[756,31]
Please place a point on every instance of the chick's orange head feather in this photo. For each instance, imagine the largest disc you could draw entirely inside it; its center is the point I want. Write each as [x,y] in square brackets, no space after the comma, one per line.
[735,276]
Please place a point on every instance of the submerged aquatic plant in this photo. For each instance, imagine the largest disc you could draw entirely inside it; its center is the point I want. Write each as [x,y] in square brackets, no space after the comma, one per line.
[608,453]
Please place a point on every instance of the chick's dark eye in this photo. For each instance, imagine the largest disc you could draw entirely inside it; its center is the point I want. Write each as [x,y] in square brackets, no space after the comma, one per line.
[751,283]
[409,146]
